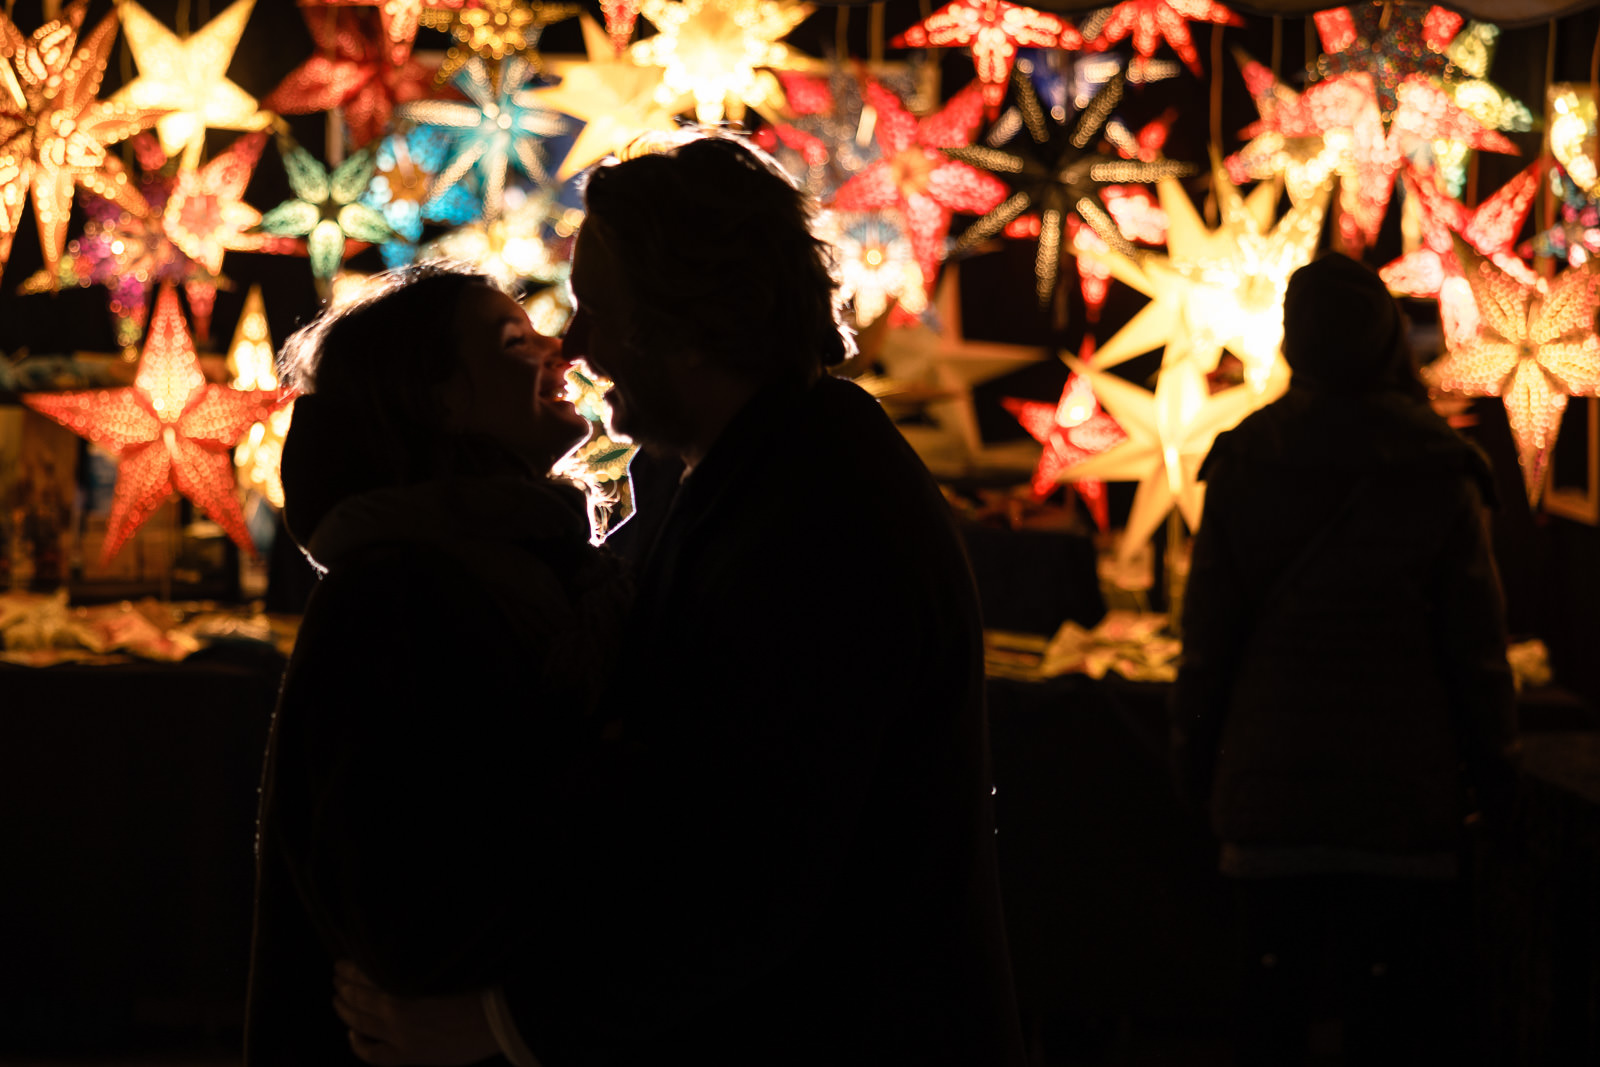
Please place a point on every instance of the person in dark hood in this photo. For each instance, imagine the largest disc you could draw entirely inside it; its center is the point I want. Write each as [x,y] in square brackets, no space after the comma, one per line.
[1344,697]
[447,669]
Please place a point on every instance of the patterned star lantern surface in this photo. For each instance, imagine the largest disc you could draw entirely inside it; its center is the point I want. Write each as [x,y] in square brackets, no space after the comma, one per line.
[915,178]
[351,71]
[1575,238]
[616,100]
[500,124]
[1219,289]
[326,209]
[205,216]
[494,31]
[1389,42]
[826,136]
[53,130]
[1149,22]
[1534,346]
[1071,430]
[993,30]
[1059,173]
[1471,52]
[399,19]
[621,16]
[1491,229]
[1571,111]
[171,430]
[188,77]
[723,53]
[406,166]
[259,456]
[1169,434]
[876,266]
[512,248]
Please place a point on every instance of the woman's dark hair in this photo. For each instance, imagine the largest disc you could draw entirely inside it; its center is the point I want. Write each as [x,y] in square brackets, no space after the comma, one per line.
[1344,333]
[370,374]
[715,244]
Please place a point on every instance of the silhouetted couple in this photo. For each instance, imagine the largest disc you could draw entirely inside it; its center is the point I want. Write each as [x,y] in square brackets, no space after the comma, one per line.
[733,810]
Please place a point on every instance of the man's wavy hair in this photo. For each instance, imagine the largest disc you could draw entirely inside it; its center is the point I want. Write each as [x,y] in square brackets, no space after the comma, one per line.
[715,244]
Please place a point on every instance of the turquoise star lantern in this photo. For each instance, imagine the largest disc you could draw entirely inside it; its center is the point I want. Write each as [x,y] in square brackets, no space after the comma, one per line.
[406,165]
[326,210]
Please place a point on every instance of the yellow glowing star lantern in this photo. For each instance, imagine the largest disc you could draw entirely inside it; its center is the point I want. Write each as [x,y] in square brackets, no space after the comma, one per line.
[510,249]
[1219,289]
[550,310]
[54,133]
[722,53]
[615,99]
[599,464]
[1571,110]
[494,30]
[188,77]
[876,265]
[1534,346]
[259,457]
[1169,434]
[171,430]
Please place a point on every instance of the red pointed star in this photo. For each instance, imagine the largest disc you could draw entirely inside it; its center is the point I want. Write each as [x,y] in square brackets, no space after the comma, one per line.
[205,216]
[915,177]
[399,19]
[993,30]
[1071,431]
[1390,42]
[621,16]
[351,70]
[1150,22]
[170,430]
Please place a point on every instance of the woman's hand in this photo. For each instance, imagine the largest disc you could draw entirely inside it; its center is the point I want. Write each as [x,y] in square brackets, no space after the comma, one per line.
[390,1031]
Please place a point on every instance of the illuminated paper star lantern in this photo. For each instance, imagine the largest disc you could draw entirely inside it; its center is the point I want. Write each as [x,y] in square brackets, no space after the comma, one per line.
[621,17]
[1169,434]
[326,209]
[826,135]
[1571,110]
[494,31]
[259,457]
[722,53]
[188,77]
[1059,173]
[599,464]
[1071,430]
[511,248]
[993,30]
[876,266]
[1575,238]
[406,166]
[915,178]
[399,19]
[616,101]
[1219,289]
[1135,213]
[1149,22]
[205,216]
[54,132]
[1389,42]
[1491,229]
[1534,346]
[350,71]
[171,430]
[500,124]
[1471,52]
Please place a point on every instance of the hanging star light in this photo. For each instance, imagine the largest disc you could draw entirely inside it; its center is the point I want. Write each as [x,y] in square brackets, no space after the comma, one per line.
[621,17]
[1219,289]
[399,19]
[511,248]
[1471,52]
[722,53]
[1491,229]
[1535,345]
[1149,22]
[350,71]
[406,165]
[494,31]
[205,216]
[993,30]
[188,78]
[1389,42]
[1575,238]
[826,135]
[1169,434]
[170,430]
[615,99]
[259,457]
[876,266]
[1571,111]
[326,210]
[499,124]
[1071,430]
[1060,176]
[915,178]
[54,132]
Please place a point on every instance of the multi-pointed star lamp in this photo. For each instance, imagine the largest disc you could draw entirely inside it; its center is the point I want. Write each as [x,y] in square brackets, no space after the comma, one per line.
[494,31]
[326,209]
[170,430]
[1149,22]
[1534,346]
[993,30]
[399,19]
[259,456]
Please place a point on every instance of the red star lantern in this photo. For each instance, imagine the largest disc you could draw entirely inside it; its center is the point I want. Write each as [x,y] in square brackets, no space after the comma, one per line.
[351,71]
[1491,229]
[170,430]
[993,30]
[1071,431]
[913,176]
[621,16]
[1149,22]
[399,19]
[205,216]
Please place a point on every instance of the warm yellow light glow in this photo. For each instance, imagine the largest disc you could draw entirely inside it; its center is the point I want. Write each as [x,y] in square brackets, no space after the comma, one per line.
[1571,110]
[599,464]
[259,457]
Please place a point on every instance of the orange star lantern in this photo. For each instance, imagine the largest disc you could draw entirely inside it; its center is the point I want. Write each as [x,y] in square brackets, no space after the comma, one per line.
[993,30]
[1534,346]
[1071,431]
[170,430]
[205,216]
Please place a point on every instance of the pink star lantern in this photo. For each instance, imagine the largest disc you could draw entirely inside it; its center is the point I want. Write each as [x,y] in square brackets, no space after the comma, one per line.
[1149,22]
[993,30]
[1071,430]
[914,177]
[351,70]
[170,430]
